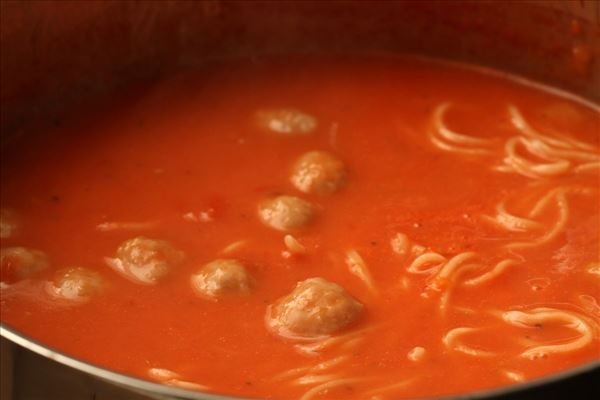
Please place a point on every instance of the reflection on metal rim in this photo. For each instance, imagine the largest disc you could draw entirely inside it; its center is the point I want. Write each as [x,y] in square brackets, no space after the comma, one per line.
[158,391]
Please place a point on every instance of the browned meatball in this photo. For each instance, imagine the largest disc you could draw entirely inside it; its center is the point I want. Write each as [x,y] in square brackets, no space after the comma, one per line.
[76,283]
[286,121]
[20,263]
[314,308]
[318,172]
[147,260]
[221,278]
[286,213]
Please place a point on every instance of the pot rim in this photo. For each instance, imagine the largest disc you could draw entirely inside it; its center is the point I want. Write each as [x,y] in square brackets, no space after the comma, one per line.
[161,391]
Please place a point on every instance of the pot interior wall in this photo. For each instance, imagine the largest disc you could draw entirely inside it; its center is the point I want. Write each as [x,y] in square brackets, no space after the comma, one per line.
[57,53]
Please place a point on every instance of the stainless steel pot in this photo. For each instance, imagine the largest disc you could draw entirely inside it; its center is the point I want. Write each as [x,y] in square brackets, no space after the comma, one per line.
[55,54]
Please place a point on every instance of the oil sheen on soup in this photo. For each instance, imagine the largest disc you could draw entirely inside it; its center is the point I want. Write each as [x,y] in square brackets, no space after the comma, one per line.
[312,228]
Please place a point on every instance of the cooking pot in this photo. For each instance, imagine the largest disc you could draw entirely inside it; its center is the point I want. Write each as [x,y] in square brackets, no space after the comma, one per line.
[59,54]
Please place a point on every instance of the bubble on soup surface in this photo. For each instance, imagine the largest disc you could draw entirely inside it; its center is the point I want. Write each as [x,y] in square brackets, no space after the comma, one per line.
[318,172]
[8,223]
[76,283]
[222,277]
[286,121]
[20,263]
[146,260]
[286,213]
[316,307]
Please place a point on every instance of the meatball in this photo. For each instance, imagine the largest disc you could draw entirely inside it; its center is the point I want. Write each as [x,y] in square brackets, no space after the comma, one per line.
[221,278]
[286,121]
[20,263]
[147,260]
[286,213]
[318,172]
[316,307]
[8,223]
[76,283]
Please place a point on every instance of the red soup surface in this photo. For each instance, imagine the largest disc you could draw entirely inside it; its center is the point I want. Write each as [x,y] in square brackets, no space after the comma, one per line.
[357,228]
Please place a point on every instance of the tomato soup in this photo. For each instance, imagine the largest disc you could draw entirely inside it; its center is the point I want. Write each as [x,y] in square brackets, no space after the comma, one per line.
[312,227]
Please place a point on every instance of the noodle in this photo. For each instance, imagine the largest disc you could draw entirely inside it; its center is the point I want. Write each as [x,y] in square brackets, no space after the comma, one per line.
[547,315]
[293,245]
[125,226]
[232,247]
[322,366]
[543,150]
[563,209]
[514,376]
[323,344]
[417,249]
[560,151]
[432,260]
[592,166]
[562,154]
[451,141]
[512,222]
[451,341]
[451,136]
[558,196]
[590,304]
[447,271]
[529,168]
[488,276]
[447,275]
[357,267]
[312,379]
[446,278]
[455,149]
[162,374]
[291,372]
[327,386]
[543,202]
[564,142]
[594,268]
[186,385]
[171,378]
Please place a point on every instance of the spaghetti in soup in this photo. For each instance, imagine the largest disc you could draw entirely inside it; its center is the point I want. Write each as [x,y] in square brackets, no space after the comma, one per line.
[312,228]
